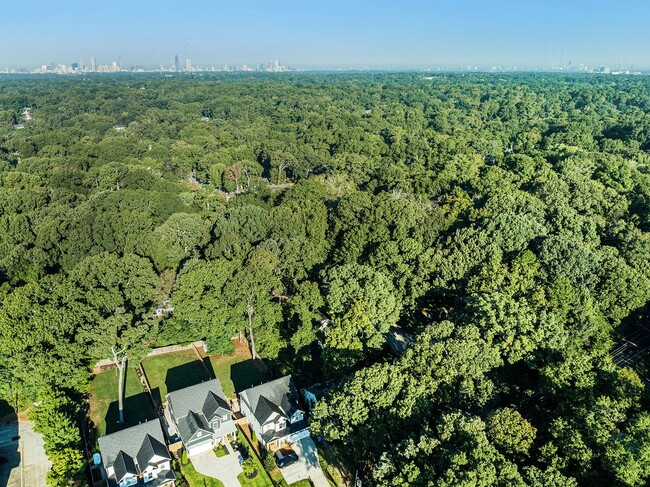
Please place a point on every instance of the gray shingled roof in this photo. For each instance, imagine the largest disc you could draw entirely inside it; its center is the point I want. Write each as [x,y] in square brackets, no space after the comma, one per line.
[150,449]
[194,406]
[123,465]
[130,441]
[278,396]
[193,398]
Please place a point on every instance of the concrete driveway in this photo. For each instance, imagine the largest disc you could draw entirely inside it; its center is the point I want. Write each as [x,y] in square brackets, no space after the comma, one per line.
[26,462]
[224,468]
[307,465]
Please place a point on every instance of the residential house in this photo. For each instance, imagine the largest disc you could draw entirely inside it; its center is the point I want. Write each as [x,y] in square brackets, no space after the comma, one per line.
[274,413]
[398,340]
[311,395]
[202,416]
[137,456]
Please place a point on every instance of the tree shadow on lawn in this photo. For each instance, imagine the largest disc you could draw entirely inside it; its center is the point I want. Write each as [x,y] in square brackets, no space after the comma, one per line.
[137,409]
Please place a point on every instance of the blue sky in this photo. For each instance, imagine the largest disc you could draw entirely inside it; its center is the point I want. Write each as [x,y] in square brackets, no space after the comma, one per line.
[333,33]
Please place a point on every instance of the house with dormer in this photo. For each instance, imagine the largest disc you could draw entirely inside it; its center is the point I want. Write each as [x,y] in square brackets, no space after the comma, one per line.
[137,456]
[273,412]
[202,416]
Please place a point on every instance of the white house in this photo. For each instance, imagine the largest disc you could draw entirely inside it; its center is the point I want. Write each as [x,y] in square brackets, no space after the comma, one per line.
[137,455]
[274,413]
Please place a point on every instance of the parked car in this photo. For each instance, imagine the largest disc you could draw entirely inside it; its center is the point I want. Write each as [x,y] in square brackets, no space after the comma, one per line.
[284,459]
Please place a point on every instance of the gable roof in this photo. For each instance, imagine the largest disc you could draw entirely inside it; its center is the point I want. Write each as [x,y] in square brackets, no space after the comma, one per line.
[129,443]
[151,449]
[214,404]
[123,465]
[195,398]
[191,423]
[278,396]
[194,407]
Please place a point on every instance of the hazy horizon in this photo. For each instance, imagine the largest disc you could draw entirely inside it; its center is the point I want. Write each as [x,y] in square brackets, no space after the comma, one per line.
[338,34]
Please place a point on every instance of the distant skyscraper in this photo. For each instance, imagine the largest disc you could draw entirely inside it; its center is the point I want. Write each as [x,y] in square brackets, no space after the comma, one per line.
[93,64]
[119,63]
[188,65]
[177,63]
[81,64]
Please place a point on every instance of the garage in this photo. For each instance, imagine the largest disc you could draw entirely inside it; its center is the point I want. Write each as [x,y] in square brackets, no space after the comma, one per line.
[199,446]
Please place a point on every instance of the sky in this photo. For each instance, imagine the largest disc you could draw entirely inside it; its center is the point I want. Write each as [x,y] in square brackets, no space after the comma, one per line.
[328,34]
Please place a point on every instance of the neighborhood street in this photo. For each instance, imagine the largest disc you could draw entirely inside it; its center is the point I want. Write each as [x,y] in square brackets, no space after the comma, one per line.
[26,463]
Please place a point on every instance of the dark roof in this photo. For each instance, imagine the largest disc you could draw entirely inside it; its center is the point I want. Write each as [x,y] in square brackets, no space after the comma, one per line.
[319,390]
[150,449]
[123,465]
[194,407]
[194,398]
[191,423]
[214,405]
[398,339]
[278,396]
[130,442]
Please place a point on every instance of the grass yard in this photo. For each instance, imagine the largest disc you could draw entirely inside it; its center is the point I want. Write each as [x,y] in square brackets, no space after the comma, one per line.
[195,479]
[302,483]
[237,371]
[262,479]
[104,411]
[172,371]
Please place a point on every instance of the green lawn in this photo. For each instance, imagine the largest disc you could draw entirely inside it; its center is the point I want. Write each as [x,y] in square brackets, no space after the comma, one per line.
[236,372]
[302,483]
[104,406]
[262,479]
[195,479]
[172,371]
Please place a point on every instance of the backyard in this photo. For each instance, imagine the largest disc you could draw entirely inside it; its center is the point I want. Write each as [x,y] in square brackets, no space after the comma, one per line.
[237,371]
[173,371]
[104,411]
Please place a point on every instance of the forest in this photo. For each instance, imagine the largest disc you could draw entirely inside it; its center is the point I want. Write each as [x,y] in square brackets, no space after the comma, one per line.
[501,220]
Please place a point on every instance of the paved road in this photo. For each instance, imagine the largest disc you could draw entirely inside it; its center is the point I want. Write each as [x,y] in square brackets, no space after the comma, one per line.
[26,465]
[307,465]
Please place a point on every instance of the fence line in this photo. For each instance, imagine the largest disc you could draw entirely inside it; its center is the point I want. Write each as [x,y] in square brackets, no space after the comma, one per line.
[108,364]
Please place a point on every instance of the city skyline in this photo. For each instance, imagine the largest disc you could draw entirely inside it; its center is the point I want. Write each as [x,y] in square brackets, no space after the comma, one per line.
[381,34]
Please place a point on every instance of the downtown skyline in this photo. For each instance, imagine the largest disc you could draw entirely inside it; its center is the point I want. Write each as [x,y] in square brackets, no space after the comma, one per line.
[359,35]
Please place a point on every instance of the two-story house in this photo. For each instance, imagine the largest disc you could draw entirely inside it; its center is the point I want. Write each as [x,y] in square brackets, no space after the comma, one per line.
[137,456]
[202,416]
[274,413]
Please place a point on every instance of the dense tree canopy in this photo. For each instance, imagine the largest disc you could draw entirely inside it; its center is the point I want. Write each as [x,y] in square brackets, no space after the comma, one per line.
[503,221]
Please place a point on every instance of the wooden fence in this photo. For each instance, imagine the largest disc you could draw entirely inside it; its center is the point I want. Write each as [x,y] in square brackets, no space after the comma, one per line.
[108,364]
